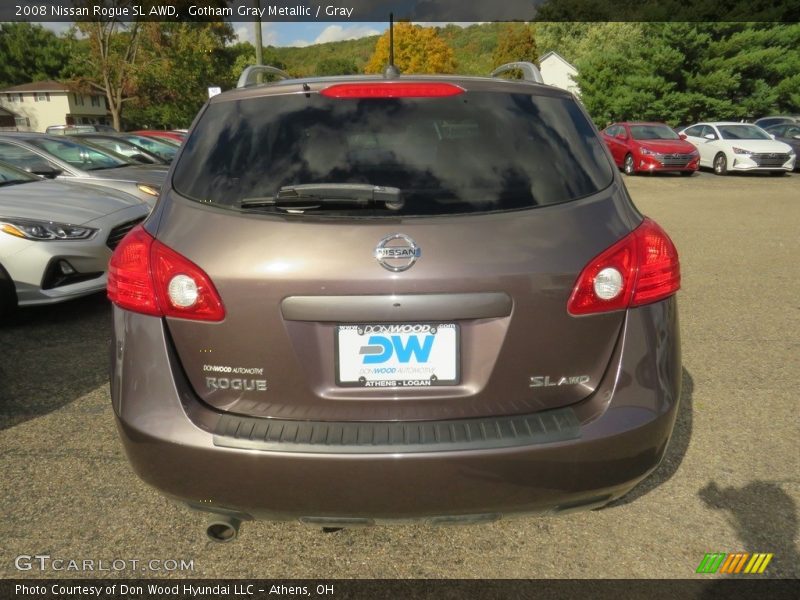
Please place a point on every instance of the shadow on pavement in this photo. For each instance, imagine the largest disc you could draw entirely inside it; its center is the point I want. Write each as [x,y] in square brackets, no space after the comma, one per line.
[765,519]
[50,356]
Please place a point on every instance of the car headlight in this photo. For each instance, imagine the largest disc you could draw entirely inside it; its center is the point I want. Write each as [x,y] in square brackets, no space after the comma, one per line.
[740,150]
[152,190]
[648,152]
[45,231]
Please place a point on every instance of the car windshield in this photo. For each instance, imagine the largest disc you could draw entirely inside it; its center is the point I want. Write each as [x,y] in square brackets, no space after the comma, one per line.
[790,131]
[474,152]
[742,132]
[79,155]
[653,132]
[119,146]
[10,176]
[157,147]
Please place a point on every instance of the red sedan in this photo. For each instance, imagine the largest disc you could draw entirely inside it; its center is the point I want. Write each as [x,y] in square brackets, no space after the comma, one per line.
[650,147]
[175,137]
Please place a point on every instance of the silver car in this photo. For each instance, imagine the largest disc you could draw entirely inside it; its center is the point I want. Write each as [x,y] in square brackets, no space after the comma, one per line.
[56,238]
[65,157]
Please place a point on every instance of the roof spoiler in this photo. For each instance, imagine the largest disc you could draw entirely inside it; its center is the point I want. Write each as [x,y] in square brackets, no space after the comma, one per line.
[249,76]
[530,72]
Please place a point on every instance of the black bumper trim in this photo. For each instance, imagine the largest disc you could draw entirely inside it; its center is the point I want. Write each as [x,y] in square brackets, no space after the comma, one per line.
[322,437]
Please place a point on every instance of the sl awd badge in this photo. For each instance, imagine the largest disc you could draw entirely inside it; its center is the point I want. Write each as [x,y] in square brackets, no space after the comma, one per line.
[397,252]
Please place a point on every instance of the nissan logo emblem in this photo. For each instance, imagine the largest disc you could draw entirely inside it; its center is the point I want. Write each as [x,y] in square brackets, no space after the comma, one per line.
[397,252]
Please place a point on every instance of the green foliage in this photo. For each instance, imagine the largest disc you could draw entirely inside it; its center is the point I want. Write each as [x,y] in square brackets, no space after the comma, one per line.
[675,72]
[30,53]
[336,66]
[178,62]
[685,72]
[303,62]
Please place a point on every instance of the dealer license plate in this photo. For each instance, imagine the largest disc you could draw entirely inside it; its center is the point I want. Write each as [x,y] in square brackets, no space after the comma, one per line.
[397,354]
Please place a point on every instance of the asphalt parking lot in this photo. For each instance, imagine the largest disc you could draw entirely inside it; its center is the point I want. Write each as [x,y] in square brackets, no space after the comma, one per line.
[730,481]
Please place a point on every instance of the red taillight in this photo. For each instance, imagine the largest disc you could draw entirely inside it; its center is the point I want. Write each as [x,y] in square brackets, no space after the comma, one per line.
[145,276]
[392,90]
[130,284]
[647,263]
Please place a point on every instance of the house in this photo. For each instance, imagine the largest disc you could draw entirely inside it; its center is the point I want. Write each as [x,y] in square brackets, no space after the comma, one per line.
[35,106]
[556,71]
[8,120]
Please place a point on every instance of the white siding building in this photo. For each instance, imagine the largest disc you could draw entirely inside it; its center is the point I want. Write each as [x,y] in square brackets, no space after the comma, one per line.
[556,71]
[38,105]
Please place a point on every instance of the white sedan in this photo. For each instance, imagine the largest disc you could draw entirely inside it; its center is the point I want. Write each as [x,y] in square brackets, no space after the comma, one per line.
[728,147]
[56,237]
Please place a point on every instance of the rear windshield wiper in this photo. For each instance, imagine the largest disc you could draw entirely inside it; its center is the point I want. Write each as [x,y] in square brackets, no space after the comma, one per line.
[309,196]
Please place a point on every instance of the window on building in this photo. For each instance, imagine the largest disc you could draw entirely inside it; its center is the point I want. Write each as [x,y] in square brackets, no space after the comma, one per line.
[95,100]
[42,97]
[22,121]
[78,98]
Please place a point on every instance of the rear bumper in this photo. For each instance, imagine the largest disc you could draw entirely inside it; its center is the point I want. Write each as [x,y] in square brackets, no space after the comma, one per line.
[624,428]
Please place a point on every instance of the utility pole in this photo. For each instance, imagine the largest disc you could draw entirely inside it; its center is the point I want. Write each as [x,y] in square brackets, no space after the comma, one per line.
[259,48]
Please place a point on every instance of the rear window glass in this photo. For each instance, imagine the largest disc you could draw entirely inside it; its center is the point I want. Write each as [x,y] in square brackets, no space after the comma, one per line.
[479,151]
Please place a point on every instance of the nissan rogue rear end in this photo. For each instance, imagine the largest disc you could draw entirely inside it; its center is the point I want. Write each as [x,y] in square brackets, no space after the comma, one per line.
[364,299]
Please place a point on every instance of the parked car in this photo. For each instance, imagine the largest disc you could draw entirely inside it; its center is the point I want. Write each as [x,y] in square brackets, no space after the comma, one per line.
[650,147]
[788,133]
[76,129]
[364,299]
[56,238]
[173,137]
[67,158]
[120,145]
[765,122]
[161,147]
[728,146]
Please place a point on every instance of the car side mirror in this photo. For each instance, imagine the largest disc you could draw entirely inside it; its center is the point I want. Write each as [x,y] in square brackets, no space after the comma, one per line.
[797,136]
[145,160]
[683,136]
[621,136]
[710,136]
[44,170]
[772,135]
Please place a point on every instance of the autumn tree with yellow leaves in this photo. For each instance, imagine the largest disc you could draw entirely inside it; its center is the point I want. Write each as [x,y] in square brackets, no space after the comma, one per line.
[417,49]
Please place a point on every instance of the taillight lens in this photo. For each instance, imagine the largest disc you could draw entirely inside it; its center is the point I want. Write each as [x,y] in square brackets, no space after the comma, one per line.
[145,276]
[641,268]
[391,90]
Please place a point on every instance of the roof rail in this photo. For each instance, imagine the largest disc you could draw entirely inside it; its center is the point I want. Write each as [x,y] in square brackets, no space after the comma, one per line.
[530,72]
[249,76]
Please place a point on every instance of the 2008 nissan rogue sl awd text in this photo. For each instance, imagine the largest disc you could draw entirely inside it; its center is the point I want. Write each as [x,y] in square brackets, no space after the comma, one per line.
[366,299]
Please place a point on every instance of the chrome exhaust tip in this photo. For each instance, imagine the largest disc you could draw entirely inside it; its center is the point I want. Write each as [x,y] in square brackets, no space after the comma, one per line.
[222,528]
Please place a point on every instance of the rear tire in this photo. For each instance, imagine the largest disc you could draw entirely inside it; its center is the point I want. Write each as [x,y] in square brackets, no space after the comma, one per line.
[8,296]
[720,164]
[628,165]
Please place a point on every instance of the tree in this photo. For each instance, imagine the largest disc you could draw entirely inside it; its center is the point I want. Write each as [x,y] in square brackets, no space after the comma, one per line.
[177,64]
[416,50]
[685,72]
[336,66]
[110,61]
[30,53]
[515,44]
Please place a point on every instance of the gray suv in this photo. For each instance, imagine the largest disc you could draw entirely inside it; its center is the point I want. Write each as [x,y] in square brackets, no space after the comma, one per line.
[373,299]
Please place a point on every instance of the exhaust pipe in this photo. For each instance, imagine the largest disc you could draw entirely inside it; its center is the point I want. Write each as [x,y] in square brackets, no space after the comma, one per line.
[222,528]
